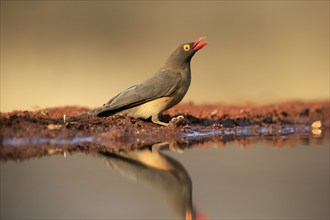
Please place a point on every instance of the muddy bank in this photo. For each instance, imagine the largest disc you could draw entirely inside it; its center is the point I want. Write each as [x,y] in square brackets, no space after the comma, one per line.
[49,131]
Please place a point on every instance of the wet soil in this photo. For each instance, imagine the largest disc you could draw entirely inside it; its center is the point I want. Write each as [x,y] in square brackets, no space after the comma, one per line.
[26,134]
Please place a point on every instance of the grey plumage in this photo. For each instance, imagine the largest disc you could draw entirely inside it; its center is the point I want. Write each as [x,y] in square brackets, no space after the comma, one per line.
[162,91]
[142,93]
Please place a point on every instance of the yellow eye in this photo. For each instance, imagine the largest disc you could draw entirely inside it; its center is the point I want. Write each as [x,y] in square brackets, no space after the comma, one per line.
[186,47]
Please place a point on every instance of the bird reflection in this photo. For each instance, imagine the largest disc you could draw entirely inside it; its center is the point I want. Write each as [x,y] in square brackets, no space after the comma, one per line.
[153,168]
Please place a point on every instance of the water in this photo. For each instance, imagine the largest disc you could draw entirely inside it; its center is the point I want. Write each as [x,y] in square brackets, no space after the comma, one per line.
[219,181]
[191,134]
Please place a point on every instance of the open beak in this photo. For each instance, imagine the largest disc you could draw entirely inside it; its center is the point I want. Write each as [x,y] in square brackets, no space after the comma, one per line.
[198,46]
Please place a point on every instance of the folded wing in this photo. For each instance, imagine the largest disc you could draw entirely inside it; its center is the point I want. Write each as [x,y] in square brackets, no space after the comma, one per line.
[162,84]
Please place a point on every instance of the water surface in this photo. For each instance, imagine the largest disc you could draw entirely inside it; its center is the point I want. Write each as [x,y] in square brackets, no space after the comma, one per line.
[230,181]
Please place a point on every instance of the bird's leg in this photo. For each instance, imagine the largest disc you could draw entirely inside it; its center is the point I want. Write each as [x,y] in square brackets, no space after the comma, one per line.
[155,148]
[155,120]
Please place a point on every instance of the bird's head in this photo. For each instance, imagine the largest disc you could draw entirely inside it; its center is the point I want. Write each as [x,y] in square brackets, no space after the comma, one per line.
[184,52]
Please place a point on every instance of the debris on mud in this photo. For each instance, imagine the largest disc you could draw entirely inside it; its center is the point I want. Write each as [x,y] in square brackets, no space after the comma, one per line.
[50,131]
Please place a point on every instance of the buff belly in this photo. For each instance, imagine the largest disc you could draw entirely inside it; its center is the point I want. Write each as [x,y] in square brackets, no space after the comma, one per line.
[148,109]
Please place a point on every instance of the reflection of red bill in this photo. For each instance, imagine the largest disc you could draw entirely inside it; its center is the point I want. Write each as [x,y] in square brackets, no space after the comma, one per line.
[200,216]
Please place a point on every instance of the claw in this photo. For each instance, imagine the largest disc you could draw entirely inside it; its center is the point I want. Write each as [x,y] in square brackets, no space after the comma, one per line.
[178,118]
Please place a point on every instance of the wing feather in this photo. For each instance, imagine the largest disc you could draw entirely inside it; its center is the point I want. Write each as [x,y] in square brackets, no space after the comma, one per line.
[164,83]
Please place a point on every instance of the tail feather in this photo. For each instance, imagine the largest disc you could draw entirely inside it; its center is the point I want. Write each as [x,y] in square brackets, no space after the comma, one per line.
[81,116]
[100,112]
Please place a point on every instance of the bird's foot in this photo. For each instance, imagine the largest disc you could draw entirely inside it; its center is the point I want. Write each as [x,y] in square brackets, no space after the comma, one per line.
[179,120]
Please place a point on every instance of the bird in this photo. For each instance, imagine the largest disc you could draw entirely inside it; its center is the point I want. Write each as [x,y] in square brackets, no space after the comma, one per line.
[154,169]
[165,89]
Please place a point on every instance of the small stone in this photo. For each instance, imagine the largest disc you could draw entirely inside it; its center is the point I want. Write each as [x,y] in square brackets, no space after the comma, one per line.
[316,124]
[214,112]
[54,127]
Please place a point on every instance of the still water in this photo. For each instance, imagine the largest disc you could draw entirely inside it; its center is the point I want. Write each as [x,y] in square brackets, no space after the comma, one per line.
[213,182]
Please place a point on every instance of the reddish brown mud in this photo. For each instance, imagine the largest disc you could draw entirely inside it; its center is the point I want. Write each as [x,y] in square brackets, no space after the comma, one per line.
[26,134]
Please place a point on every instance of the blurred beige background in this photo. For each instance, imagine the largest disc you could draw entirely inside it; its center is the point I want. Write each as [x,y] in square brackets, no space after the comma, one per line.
[56,53]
